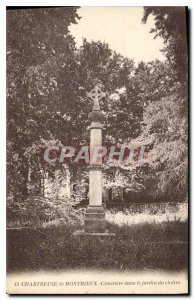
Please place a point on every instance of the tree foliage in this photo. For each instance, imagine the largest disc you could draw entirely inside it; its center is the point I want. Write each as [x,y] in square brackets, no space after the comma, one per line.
[170,24]
[165,118]
[47,81]
[39,43]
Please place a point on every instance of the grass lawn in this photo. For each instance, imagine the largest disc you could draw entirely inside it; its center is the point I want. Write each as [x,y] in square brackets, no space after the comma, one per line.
[135,247]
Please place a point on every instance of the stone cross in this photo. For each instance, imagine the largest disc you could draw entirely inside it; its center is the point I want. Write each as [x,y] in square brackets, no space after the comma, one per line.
[95,213]
[96,94]
[95,223]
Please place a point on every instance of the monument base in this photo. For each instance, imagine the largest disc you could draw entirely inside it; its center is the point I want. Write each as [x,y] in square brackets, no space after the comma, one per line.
[95,224]
[95,219]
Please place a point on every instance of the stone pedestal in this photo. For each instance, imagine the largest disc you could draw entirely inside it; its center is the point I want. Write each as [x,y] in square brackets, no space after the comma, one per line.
[95,213]
[95,186]
[95,219]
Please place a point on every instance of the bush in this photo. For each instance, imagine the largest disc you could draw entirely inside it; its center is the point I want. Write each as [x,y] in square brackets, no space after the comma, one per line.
[40,212]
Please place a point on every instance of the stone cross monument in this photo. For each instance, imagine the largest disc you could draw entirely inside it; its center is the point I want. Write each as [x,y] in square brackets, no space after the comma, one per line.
[95,214]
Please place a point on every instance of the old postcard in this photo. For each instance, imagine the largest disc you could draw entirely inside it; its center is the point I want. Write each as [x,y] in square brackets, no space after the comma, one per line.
[97,150]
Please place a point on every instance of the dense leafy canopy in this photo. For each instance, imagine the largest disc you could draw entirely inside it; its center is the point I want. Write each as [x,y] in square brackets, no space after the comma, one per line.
[48,78]
[171,25]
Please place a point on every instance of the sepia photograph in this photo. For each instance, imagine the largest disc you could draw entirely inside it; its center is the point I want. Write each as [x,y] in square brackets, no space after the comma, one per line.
[97,150]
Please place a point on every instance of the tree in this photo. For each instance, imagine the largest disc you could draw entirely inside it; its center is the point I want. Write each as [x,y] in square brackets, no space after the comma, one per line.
[170,24]
[164,130]
[52,69]
[38,43]
[165,120]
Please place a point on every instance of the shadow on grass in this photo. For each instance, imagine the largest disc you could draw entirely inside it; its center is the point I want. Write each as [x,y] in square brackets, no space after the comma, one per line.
[137,247]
